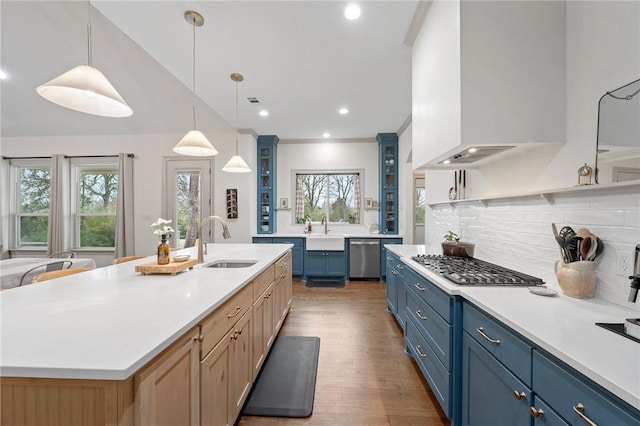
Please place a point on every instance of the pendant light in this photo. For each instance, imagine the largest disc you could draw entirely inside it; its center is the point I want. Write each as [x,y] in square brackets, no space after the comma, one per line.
[85,89]
[194,143]
[236,164]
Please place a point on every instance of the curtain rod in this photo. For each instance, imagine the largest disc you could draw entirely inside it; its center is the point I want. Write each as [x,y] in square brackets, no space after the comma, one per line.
[66,156]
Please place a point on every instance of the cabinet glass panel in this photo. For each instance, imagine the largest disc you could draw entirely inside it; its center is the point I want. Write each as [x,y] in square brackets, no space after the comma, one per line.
[389,166]
[264,211]
[389,215]
[265,168]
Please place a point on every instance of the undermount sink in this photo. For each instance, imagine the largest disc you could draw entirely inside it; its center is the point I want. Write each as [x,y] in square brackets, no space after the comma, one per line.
[230,264]
[331,242]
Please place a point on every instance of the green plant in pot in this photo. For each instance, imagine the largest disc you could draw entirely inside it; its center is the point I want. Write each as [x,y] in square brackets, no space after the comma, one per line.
[452,246]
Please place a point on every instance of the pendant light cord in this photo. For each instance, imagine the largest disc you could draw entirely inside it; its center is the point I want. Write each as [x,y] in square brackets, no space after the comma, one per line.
[89,62]
[237,130]
[193,76]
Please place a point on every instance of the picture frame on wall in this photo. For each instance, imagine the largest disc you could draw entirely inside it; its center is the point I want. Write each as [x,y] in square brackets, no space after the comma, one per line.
[368,203]
[284,203]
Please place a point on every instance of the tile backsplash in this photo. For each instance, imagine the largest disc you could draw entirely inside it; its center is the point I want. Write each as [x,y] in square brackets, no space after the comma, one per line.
[516,232]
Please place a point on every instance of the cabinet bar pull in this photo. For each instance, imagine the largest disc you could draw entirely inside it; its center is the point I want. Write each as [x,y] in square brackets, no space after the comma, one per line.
[416,285]
[536,412]
[394,272]
[519,395]
[418,348]
[480,330]
[399,266]
[419,314]
[579,410]
[238,309]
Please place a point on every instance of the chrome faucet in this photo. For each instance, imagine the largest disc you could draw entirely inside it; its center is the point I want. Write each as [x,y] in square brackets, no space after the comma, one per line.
[324,222]
[202,247]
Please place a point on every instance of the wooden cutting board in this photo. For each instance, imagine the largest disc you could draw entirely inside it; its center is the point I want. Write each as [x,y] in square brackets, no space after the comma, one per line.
[172,268]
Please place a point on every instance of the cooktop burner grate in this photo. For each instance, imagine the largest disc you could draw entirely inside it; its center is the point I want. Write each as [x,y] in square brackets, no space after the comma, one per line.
[470,271]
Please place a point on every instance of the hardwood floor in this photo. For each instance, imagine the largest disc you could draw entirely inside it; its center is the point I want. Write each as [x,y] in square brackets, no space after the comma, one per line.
[363,376]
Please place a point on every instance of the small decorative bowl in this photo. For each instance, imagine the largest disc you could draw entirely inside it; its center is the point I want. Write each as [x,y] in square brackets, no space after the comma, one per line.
[181,258]
[457,248]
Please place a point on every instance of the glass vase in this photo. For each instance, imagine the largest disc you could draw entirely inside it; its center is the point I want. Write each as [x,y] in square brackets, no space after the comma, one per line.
[163,251]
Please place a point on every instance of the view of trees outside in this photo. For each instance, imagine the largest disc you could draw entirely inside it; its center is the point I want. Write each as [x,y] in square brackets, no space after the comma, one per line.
[188,208]
[98,193]
[420,203]
[329,194]
[34,202]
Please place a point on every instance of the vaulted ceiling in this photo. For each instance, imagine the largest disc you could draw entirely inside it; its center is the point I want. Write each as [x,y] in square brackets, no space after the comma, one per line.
[302,60]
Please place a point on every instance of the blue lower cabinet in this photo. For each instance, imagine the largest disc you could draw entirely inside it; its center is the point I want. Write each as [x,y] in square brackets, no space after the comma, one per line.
[543,414]
[297,252]
[438,377]
[392,281]
[491,394]
[383,254]
[326,264]
[577,399]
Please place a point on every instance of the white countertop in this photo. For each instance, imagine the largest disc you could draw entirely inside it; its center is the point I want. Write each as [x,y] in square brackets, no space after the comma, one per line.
[109,322]
[561,325]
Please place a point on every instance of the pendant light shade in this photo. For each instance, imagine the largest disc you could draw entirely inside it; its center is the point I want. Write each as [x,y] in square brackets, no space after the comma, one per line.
[85,89]
[236,164]
[194,143]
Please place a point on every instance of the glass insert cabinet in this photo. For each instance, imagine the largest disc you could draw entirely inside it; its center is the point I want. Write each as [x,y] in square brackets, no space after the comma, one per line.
[267,146]
[388,156]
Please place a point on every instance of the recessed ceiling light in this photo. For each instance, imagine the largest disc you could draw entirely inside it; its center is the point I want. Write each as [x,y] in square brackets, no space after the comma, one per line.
[352,12]
[343,111]
[3,75]
[326,135]
[447,161]
[264,113]
[472,150]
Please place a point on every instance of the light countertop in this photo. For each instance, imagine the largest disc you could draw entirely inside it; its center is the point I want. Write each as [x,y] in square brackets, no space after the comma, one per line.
[109,322]
[561,325]
[346,235]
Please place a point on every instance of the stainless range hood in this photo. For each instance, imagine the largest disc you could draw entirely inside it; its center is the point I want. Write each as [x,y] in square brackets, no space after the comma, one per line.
[471,155]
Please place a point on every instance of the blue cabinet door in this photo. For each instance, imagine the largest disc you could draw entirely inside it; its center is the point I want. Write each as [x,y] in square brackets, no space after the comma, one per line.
[335,264]
[383,254]
[315,263]
[297,253]
[266,174]
[491,395]
[388,173]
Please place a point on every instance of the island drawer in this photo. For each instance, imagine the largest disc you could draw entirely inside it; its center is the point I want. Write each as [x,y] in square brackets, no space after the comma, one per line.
[434,328]
[513,352]
[216,325]
[440,301]
[263,281]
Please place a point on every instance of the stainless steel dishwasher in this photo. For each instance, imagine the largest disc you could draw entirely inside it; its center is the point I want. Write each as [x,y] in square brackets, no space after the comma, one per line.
[364,258]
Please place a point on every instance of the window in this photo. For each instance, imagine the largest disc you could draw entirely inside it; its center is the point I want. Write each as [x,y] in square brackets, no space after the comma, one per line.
[32,200]
[335,196]
[96,191]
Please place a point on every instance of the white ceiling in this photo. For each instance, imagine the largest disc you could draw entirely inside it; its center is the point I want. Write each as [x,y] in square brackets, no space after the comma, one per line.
[302,60]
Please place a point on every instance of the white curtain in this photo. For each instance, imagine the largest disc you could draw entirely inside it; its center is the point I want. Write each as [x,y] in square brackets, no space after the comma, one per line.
[124,208]
[356,198]
[58,236]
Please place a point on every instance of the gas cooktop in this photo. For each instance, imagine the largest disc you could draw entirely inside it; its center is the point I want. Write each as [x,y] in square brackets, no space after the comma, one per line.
[470,271]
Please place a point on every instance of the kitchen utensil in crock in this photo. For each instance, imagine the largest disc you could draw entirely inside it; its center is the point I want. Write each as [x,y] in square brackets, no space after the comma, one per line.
[584,248]
[563,253]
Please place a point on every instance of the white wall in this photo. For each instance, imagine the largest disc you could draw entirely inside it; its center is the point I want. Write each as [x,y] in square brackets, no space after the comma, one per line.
[326,155]
[150,152]
[603,53]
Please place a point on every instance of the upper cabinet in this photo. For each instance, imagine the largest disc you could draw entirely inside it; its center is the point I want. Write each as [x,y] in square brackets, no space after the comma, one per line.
[388,155]
[487,75]
[267,184]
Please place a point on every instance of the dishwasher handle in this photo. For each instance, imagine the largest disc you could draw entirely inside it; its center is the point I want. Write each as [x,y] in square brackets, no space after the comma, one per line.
[364,243]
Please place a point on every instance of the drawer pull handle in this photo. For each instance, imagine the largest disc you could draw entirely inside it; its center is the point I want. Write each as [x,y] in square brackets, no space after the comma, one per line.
[419,314]
[416,285]
[399,266]
[238,309]
[579,410]
[519,395]
[394,272]
[536,412]
[480,330]
[419,349]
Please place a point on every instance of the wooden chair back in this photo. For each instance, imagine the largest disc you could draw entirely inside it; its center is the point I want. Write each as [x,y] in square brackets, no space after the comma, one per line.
[57,274]
[126,259]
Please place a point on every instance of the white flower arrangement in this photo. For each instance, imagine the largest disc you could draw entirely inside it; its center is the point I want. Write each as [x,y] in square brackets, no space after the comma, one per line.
[162,228]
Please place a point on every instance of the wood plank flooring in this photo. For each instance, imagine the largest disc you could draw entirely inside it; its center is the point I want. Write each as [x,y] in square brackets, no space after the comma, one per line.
[364,378]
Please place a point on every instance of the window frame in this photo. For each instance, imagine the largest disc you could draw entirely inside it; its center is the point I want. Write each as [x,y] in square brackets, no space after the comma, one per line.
[78,165]
[359,172]
[15,165]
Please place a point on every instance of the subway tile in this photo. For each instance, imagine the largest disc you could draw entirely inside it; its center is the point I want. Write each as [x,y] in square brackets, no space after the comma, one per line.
[585,218]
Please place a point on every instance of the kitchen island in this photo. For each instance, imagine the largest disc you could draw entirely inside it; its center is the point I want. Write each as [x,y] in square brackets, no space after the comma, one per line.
[105,346]
[556,338]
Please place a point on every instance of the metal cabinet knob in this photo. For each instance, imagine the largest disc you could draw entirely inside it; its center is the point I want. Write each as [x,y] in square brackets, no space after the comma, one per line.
[519,395]
[536,412]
